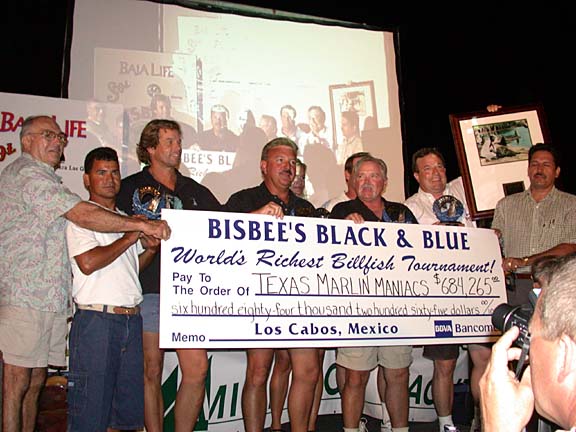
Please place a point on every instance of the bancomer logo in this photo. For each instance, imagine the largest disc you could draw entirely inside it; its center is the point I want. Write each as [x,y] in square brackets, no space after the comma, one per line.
[443,329]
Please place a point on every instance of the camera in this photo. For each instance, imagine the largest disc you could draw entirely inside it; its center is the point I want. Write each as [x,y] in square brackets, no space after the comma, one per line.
[506,316]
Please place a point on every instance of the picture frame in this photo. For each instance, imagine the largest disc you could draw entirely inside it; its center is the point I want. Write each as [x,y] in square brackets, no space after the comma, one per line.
[492,151]
[353,96]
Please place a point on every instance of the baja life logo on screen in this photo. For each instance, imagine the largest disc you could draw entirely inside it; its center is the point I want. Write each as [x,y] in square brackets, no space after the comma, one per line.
[443,328]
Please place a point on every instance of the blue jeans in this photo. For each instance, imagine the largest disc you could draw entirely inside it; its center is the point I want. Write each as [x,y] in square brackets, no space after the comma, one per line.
[106,379]
[151,313]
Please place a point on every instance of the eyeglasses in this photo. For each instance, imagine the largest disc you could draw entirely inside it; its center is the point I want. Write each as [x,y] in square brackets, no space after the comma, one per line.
[51,136]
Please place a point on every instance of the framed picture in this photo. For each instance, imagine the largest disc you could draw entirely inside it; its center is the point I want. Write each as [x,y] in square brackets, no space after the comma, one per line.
[492,151]
[355,96]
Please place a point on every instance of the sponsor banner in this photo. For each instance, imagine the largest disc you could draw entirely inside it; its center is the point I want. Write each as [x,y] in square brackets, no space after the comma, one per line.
[222,411]
[154,85]
[87,124]
[241,280]
[132,78]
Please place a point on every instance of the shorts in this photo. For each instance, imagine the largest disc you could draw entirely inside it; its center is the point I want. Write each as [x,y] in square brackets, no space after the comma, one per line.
[106,378]
[150,310]
[367,358]
[441,352]
[33,339]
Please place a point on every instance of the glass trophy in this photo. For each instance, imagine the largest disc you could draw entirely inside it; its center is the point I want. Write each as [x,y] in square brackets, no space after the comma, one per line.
[448,210]
[149,201]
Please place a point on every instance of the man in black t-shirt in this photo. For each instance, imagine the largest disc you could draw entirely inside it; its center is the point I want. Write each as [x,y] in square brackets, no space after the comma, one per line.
[160,185]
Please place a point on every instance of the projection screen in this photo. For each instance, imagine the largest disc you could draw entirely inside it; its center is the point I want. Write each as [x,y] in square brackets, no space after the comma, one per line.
[228,79]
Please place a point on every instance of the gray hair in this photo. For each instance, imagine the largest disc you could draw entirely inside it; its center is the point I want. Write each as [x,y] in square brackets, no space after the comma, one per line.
[556,305]
[369,158]
[29,122]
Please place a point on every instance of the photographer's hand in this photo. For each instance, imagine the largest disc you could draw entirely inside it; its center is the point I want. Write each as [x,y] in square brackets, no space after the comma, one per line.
[507,404]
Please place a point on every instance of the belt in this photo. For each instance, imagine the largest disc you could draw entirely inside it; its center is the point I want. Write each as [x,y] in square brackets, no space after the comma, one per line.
[118,310]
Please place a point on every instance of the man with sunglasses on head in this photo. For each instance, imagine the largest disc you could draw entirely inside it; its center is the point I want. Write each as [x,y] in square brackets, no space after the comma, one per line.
[273,198]
[35,268]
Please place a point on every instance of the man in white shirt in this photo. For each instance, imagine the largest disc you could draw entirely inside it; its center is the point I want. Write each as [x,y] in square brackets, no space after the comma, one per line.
[429,171]
[106,379]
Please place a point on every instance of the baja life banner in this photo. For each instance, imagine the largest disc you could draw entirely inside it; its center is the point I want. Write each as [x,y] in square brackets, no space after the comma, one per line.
[133,78]
[87,124]
[239,280]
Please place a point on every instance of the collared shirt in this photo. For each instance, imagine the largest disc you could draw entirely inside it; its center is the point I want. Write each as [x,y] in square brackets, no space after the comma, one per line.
[421,204]
[35,267]
[393,212]
[529,227]
[296,136]
[248,200]
[227,142]
[322,137]
[348,147]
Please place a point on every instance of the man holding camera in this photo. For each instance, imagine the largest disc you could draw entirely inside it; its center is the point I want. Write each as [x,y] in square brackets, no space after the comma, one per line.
[549,382]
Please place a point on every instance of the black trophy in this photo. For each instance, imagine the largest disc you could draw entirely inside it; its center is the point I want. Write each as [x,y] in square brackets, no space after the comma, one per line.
[448,210]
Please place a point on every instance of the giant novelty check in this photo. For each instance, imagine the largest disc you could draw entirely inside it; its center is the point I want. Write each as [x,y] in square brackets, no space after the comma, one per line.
[232,280]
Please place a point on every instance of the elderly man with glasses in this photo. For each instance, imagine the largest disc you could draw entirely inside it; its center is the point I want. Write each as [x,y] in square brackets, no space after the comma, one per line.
[35,268]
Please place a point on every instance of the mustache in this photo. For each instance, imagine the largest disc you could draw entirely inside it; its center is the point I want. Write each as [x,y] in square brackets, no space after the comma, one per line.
[367,187]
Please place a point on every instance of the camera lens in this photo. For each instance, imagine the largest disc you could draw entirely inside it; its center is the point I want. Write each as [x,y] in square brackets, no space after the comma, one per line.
[501,315]
[506,316]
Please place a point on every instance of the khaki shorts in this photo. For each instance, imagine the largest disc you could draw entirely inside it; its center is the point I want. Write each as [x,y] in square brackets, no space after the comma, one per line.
[367,358]
[31,338]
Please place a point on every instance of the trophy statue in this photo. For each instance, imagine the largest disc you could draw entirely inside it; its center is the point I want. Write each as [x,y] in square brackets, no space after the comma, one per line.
[149,201]
[448,210]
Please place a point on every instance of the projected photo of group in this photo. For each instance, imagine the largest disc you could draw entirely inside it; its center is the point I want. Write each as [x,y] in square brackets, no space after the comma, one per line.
[234,83]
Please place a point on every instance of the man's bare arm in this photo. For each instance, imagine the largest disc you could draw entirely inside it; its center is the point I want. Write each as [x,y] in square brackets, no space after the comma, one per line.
[96,218]
[102,256]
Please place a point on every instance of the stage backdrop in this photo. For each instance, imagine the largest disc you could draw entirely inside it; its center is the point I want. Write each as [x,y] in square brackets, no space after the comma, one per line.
[162,60]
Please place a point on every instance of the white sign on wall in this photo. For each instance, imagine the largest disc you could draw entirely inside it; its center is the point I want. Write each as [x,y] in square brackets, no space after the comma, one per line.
[87,124]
